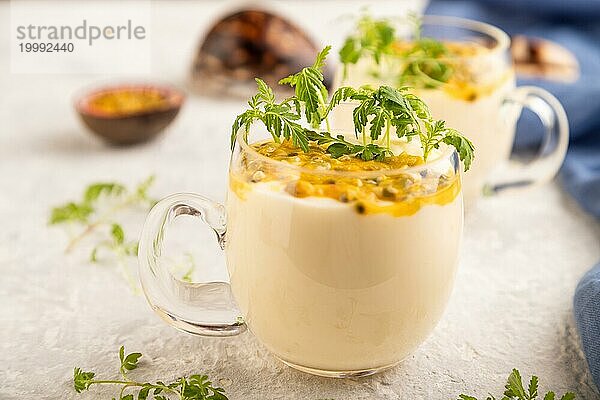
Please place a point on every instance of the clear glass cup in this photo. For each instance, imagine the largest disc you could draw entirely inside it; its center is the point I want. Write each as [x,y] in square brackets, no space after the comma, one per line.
[486,110]
[342,284]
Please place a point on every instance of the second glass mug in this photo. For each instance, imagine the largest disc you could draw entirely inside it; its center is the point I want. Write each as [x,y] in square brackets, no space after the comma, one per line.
[485,111]
[329,287]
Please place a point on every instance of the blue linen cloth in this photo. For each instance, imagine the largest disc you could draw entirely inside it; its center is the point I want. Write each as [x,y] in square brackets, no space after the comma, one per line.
[574,25]
[587,314]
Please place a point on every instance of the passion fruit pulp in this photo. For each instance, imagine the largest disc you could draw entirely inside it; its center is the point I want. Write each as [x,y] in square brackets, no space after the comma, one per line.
[129,114]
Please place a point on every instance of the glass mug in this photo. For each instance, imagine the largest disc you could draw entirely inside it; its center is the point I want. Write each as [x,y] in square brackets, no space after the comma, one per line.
[330,287]
[486,110]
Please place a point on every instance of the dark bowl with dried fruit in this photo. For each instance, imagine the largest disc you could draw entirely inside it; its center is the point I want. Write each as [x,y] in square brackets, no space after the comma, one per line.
[129,114]
[251,43]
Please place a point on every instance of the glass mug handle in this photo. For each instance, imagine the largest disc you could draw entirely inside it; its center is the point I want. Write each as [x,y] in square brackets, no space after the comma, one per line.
[206,309]
[552,152]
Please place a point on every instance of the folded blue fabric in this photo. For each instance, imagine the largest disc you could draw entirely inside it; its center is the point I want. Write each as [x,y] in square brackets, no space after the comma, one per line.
[574,25]
[587,316]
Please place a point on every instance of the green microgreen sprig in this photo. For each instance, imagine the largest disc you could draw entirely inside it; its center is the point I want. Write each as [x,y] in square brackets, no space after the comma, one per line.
[116,244]
[194,387]
[377,111]
[97,212]
[515,390]
[280,119]
[310,90]
[374,37]
[88,212]
[427,63]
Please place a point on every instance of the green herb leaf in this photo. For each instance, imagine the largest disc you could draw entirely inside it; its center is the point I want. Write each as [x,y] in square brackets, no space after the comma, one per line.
[339,149]
[351,51]
[380,118]
[117,234]
[144,392]
[196,387]
[310,89]
[132,248]
[514,385]
[128,362]
[514,390]
[82,380]
[142,189]
[533,387]
[341,94]
[94,255]
[265,93]
[463,146]
[93,192]
[427,63]
[374,37]
[338,146]
[70,212]
[361,114]
[279,118]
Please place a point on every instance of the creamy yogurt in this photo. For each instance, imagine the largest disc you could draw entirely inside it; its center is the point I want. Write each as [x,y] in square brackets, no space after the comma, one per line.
[329,289]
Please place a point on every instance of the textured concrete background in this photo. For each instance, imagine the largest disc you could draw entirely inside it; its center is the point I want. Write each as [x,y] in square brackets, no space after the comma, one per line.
[511,307]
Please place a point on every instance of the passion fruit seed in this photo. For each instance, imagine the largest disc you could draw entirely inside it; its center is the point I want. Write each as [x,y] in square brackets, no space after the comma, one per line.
[258,176]
[269,148]
[300,189]
[389,192]
[360,208]
[444,178]
[350,194]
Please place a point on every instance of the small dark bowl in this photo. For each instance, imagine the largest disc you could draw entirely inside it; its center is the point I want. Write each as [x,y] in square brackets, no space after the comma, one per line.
[130,126]
[252,43]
